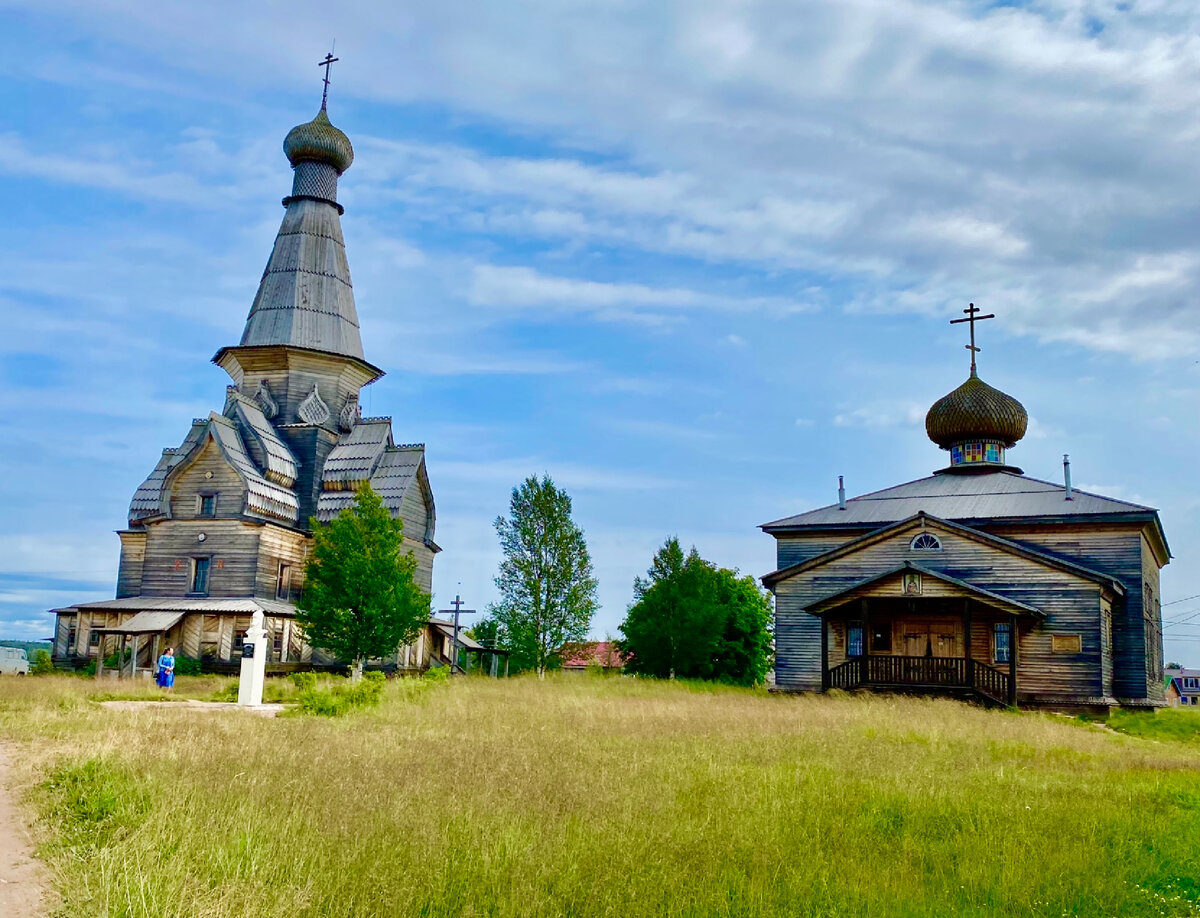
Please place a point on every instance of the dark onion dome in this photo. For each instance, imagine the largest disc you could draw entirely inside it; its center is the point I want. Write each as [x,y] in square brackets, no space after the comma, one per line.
[976,411]
[318,141]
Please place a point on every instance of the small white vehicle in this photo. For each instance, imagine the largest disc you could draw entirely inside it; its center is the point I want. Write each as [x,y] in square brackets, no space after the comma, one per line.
[14,661]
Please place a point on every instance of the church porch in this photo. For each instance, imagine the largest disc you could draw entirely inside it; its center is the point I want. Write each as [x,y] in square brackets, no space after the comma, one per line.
[930,645]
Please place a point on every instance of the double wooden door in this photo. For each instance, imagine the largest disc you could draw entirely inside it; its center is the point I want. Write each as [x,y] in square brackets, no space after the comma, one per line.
[927,637]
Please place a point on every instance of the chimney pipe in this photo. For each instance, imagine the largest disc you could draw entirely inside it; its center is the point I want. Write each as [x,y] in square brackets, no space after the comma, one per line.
[1067,474]
[841,494]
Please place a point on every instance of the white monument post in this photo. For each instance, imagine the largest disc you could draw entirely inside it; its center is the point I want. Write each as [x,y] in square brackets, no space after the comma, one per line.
[254,663]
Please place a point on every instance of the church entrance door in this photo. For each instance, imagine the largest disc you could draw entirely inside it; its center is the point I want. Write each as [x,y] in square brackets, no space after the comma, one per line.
[932,638]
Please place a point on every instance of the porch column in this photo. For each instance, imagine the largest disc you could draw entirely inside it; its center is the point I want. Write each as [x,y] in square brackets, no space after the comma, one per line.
[864,661]
[967,642]
[824,653]
[1012,660]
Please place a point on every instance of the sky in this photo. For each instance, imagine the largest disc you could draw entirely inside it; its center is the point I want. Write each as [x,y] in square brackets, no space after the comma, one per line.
[692,259]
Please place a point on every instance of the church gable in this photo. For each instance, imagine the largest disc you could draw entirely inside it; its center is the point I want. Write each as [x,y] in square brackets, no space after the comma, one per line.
[956,551]
[206,485]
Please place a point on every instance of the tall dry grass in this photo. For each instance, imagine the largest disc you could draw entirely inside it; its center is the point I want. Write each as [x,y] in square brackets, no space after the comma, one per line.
[591,796]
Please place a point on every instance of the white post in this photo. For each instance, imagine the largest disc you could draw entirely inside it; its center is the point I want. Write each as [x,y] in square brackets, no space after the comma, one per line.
[254,663]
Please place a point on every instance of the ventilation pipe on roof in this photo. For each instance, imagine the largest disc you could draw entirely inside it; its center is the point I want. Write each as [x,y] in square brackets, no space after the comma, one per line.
[1067,474]
[841,494]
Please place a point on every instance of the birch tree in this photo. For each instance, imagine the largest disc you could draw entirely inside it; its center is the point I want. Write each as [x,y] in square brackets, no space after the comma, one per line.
[547,591]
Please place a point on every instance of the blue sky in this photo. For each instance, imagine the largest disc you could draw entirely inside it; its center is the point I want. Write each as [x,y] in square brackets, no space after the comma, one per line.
[693,259]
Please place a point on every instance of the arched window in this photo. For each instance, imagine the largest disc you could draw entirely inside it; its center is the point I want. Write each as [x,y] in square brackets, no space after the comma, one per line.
[925,542]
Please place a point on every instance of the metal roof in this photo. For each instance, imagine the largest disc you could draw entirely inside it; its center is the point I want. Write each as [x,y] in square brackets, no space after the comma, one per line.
[243,605]
[305,298]
[990,495]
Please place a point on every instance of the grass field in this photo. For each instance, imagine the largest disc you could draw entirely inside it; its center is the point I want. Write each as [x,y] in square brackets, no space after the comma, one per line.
[590,796]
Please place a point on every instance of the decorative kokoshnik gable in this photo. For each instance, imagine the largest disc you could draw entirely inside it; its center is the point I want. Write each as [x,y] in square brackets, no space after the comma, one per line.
[219,530]
[976,581]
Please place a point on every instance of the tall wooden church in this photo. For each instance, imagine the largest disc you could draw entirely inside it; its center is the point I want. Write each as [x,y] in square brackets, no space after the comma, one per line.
[219,530]
[977,581]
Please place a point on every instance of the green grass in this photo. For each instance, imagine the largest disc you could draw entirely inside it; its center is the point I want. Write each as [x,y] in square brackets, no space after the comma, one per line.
[1167,724]
[584,796]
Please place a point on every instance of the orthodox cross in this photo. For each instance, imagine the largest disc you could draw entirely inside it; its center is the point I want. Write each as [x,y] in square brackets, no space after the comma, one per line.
[327,63]
[972,318]
[457,610]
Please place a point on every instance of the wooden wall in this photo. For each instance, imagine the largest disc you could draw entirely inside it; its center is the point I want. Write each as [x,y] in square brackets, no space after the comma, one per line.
[1118,549]
[193,480]
[133,554]
[1071,604]
[794,548]
[171,544]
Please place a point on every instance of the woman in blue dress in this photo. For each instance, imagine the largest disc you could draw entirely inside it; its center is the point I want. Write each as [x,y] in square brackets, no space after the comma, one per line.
[166,669]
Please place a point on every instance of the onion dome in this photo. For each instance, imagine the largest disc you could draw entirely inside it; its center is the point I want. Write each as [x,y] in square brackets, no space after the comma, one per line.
[976,411]
[318,141]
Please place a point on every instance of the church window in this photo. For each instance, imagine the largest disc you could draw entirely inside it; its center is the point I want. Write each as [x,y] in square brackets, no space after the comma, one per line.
[94,638]
[1002,638]
[854,641]
[1066,643]
[283,584]
[881,638]
[239,638]
[71,632]
[207,505]
[925,542]
[200,568]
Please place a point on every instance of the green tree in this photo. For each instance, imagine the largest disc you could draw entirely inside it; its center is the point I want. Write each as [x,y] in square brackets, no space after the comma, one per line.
[360,599]
[547,591]
[42,663]
[692,619]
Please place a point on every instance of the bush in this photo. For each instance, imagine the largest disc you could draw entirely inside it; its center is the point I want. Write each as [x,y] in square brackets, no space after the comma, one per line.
[340,699]
[186,666]
[42,663]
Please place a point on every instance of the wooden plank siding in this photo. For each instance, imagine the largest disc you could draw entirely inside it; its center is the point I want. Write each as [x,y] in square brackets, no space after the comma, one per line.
[1070,602]
[193,480]
[279,545]
[231,544]
[793,548]
[133,554]
[1122,551]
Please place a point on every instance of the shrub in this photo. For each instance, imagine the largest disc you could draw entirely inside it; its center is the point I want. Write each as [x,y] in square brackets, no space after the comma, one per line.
[339,699]
[42,663]
[186,666]
[304,682]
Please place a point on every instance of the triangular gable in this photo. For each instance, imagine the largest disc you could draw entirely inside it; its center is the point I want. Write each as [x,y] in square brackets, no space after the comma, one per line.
[920,521]
[884,585]
[263,497]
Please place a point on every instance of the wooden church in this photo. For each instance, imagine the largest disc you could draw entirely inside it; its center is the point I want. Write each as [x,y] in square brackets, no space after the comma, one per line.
[977,581]
[219,529]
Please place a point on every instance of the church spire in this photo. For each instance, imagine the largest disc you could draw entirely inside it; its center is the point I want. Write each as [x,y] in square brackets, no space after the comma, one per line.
[305,298]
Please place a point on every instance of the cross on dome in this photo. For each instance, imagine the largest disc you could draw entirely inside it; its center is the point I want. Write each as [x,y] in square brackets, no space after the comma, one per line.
[972,318]
[329,61]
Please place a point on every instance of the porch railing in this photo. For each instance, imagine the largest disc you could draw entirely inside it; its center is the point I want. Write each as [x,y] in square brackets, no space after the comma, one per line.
[950,672]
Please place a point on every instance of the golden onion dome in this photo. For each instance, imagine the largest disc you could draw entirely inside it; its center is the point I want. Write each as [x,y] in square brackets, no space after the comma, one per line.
[976,411]
[320,142]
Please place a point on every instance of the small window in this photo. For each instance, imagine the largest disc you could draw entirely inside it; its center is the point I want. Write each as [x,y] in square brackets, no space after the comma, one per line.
[1003,642]
[925,542]
[94,638]
[200,574]
[854,641]
[71,637]
[239,638]
[207,505]
[881,638]
[1066,643]
[283,583]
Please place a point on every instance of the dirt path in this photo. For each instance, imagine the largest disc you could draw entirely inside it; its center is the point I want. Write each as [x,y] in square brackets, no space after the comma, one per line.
[22,878]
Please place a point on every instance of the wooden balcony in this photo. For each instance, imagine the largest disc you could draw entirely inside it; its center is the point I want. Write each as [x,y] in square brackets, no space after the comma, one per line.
[923,674]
